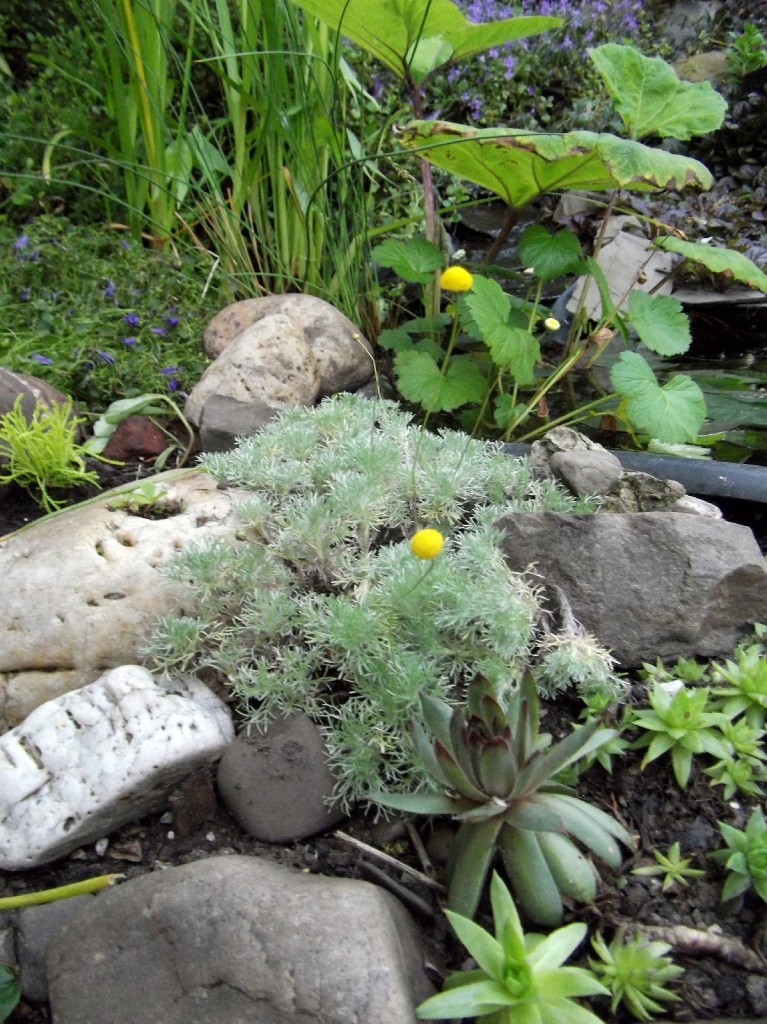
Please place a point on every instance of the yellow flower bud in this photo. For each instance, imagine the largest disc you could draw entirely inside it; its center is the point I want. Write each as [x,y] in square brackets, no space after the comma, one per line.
[456,279]
[551,323]
[427,543]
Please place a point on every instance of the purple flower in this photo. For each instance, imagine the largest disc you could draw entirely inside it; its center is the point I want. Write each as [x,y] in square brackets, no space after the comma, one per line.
[132,319]
[109,291]
[128,341]
[124,244]
[105,356]
[171,321]
[21,243]
[158,330]
[171,371]
[43,360]
[25,294]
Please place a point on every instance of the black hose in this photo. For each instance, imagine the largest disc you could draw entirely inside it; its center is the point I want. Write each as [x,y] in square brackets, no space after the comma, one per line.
[701,477]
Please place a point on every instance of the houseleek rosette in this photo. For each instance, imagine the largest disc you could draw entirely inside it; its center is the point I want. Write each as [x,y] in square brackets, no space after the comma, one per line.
[499,772]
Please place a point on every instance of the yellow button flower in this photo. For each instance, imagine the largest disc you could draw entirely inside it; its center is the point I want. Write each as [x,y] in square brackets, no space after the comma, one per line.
[456,279]
[551,323]
[427,543]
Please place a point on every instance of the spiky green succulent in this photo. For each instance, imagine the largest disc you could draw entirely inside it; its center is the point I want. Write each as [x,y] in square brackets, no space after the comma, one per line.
[498,772]
[745,857]
[636,971]
[519,977]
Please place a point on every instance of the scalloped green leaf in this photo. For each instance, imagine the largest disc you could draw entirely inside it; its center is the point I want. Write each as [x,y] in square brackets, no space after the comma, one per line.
[416,260]
[513,348]
[674,412]
[420,379]
[410,36]
[650,97]
[519,166]
[717,259]
[660,322]
[550,256]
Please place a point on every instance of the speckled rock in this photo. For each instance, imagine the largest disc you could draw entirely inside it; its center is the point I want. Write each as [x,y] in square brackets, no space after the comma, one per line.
[270,363]
[343,355]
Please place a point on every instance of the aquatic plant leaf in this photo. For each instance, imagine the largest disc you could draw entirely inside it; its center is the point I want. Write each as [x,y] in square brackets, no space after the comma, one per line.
[650,97]
[550,256]
[660,323]
[420,379]
[519,166]
[674,412]
[409,37]
[717,259]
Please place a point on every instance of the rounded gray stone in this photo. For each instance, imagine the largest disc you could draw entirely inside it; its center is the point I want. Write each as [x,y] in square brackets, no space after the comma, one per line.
[277,784]
[587,471]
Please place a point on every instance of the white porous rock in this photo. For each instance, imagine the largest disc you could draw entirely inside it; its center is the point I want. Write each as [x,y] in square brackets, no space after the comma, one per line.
[86,763]
[82,593]
[270,363]
[344,356]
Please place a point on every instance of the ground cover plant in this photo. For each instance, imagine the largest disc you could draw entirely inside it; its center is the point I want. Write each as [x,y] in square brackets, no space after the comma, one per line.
[94,314]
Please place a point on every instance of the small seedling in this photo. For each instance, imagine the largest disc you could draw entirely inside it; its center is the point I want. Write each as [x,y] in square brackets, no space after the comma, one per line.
[146,497]
[672,866]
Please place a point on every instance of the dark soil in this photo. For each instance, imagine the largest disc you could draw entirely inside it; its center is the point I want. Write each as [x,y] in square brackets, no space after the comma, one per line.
[720,946]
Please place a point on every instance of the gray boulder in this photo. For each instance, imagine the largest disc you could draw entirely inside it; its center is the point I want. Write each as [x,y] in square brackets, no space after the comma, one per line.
[237,940]
[647,585]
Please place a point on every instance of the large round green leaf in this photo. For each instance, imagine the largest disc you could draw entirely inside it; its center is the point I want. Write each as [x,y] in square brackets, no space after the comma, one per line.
[519,166]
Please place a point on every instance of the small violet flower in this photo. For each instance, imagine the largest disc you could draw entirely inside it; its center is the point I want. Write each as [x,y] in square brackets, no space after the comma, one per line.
[25,294]
[132,319]
[171,321]
[105,356]
[128,341]
[21,243]
[109,291]
[158,330]
[43,360]
[170,371]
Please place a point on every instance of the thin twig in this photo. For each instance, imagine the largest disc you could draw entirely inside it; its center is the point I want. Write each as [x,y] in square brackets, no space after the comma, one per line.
[397,889]
[391,861]
[696,942]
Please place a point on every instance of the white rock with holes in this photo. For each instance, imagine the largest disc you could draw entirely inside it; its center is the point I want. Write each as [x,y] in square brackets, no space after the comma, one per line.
[89,761]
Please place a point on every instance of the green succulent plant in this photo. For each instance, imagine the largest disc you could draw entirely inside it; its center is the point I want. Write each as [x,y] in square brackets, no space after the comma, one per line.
[520,978]
[498,771]
[636,971]
[679,723]
[745,857]
[745,684]
[672,866]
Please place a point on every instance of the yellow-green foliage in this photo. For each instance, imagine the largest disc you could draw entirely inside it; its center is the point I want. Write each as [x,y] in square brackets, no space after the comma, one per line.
[42,454]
